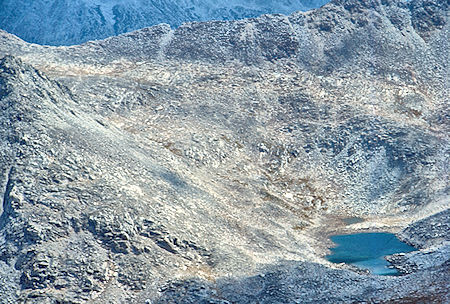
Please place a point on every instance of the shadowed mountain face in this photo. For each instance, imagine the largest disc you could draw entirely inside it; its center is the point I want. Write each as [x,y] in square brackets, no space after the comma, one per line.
[67,22]
[208,163]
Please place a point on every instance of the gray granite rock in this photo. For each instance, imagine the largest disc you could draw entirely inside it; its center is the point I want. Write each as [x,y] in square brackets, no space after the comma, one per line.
[207,164]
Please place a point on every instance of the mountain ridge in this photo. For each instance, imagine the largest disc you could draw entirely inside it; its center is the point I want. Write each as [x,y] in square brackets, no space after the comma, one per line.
[80,21]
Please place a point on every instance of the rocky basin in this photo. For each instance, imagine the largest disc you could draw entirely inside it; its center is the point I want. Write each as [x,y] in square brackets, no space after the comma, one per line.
[211,163]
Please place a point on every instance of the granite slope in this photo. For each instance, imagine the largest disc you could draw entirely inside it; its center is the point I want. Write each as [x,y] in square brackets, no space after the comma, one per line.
[209,163]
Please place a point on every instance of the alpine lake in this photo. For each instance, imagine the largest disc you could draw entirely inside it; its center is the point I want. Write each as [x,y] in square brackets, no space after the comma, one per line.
[367,251]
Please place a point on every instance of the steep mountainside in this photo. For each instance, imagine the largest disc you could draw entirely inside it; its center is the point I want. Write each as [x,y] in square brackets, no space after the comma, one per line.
[209,163]
[66,22]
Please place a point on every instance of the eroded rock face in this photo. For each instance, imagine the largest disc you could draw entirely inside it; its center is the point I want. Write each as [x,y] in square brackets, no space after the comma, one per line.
[194,164]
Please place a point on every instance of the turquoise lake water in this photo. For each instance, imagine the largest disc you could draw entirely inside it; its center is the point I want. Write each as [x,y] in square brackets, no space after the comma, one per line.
[367,250]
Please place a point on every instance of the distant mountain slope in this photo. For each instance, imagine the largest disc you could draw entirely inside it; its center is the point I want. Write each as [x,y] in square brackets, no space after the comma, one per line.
[66,22]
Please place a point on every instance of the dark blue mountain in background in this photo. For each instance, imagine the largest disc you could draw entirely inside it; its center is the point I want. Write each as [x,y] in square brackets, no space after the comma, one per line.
[67,22]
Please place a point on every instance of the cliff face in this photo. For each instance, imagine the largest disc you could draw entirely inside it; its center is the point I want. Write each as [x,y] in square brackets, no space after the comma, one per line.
[205,163]
[66,22]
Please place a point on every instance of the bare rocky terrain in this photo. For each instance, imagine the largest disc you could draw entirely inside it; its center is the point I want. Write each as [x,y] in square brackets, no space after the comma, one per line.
[208,164]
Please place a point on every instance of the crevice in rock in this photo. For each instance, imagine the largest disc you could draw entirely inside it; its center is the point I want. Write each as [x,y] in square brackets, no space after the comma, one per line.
[6,204]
